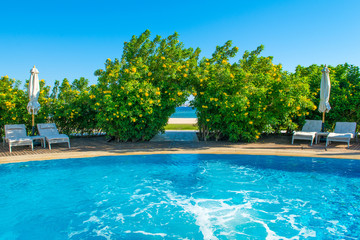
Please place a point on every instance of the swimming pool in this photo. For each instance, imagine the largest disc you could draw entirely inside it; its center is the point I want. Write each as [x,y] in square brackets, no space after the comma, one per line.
[181,196]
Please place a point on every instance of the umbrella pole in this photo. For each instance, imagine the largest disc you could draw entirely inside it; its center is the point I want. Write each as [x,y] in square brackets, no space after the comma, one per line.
[323,122]
[33,125]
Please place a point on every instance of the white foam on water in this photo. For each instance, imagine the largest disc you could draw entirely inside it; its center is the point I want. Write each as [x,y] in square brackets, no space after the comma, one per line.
[140,196]
[305,232]
[98,204]
[151,234]
[92,219]
[146,233]
[218,215]
[120,217]
[313,212]
[104,232]
[74,233]
[210,214]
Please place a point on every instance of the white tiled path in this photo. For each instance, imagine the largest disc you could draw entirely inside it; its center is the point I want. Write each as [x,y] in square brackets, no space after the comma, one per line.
[176,136]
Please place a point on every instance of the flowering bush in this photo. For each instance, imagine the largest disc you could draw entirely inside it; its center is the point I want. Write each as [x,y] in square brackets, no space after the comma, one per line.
[344,94]
[240,101]
[72,107]
[137,94]
[12,103]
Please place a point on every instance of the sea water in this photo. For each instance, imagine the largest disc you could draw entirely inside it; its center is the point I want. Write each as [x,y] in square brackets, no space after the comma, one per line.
[181,196]
[184,112]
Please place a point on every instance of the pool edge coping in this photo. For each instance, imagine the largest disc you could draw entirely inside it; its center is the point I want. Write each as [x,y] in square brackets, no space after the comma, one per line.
[70,154]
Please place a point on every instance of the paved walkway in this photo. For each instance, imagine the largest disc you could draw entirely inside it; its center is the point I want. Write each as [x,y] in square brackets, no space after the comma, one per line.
[97,146]
[176,136]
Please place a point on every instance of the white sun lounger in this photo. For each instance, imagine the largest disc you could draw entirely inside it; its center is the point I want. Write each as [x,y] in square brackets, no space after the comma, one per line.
[51,134]
[15,135]
[308,132]
[344,132]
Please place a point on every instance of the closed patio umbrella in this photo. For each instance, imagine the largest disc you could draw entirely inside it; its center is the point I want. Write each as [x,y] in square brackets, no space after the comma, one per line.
[34,91]
[324,105]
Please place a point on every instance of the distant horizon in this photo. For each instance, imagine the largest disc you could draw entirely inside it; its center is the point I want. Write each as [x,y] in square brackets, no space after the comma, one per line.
[73,39]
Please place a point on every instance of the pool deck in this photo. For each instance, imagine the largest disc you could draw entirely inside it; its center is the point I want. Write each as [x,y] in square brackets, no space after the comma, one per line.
[98,146]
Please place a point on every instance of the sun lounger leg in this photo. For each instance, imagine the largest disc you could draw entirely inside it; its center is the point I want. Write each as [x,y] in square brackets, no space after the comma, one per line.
[312,140]
[10,148]
[49,145]
[292,140]
[69,144]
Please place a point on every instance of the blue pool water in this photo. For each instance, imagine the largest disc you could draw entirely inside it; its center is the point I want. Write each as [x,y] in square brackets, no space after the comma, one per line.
[184,112]
[184,196]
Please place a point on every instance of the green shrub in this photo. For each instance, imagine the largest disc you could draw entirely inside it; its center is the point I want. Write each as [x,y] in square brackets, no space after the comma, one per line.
[344,94]
[137,94]
[240,101]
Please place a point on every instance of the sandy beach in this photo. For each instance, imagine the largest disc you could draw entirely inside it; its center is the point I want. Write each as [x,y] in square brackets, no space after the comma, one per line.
[182,121]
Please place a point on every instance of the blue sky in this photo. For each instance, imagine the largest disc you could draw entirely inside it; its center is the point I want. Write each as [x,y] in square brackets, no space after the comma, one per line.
[71,39]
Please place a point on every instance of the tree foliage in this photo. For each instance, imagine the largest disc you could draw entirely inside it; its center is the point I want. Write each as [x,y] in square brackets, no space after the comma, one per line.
[137,94]
[240,101]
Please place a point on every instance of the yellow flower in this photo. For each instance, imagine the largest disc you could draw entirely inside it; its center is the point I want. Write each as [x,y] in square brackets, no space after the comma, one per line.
[92,96]
[164,65]
[257,137]
[204,106]
[129,103]
[185,75]
[151,101]
[224,61]
[14,118]
[201,93]
[109,59]
[140,90]
[194,94]
[163,58]
[126,70]
[297,108]
[236,48]
[179,93]
[134,119]
[140,115]
[149,74]
[157,93]
[231,75]
[207,120]
[207,64]
[146,94]
[251,122]
[133,70]
[314,108]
